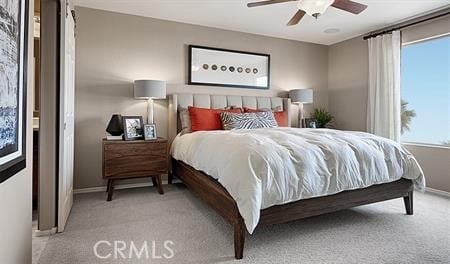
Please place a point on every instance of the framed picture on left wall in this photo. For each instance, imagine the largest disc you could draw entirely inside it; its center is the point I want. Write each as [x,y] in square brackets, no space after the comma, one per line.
[13,83]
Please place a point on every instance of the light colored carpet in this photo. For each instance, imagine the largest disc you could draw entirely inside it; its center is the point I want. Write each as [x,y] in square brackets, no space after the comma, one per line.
[377,233]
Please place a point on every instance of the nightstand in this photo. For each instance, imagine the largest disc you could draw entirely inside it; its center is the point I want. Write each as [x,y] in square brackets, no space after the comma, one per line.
[134,159]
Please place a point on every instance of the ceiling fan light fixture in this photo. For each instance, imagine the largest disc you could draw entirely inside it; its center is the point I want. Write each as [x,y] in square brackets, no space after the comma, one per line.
[314,8]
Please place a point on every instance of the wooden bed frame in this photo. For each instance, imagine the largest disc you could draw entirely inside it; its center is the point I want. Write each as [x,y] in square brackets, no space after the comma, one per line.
[215,195]
[211,192]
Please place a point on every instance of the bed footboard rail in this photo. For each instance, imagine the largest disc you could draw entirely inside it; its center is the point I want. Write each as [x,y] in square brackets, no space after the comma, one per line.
[340,201]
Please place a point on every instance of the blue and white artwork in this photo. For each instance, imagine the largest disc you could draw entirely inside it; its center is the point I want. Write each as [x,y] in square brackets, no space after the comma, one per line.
[12,79]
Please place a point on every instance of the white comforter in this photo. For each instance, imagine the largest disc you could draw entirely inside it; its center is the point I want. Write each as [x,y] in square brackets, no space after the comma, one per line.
[265,167]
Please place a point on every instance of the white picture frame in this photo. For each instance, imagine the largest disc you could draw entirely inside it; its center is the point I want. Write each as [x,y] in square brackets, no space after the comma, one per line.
[150,132]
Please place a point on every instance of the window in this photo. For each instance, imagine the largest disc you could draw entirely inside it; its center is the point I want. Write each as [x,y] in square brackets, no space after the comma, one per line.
[425,92]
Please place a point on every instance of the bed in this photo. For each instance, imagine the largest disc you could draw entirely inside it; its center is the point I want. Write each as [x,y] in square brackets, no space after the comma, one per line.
[277,175]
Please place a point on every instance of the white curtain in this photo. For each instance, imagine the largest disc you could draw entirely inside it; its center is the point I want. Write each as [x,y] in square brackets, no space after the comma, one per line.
[383,110]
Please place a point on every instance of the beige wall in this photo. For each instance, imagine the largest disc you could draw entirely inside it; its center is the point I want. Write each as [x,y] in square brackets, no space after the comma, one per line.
[348,87]
[348,74]
[114,49]
[15,193]
[435,163]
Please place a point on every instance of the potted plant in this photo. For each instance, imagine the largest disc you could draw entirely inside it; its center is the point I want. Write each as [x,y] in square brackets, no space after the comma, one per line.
[322,117]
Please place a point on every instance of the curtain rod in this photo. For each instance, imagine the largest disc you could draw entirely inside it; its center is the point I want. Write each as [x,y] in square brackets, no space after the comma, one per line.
[373,35]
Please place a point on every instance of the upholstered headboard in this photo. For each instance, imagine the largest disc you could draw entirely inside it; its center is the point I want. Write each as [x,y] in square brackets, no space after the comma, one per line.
[182,101]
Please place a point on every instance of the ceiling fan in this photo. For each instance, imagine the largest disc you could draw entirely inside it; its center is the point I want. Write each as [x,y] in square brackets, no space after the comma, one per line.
[314,8]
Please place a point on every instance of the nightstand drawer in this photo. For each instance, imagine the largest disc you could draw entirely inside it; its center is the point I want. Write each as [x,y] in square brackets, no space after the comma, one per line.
[134,159]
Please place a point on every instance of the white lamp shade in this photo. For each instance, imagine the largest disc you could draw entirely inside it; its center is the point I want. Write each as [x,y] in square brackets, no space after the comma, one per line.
[304,96]
[146,89]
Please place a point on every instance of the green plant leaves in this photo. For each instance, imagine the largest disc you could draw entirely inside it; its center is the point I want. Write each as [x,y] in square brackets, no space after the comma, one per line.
[322,117]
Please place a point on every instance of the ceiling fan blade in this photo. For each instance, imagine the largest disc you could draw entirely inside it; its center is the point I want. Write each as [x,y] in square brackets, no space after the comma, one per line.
[349,6]
[268,2]
[296,18]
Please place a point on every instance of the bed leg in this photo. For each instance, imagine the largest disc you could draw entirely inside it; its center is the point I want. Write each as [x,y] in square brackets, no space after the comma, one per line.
[171,172]
[409,203]
[239,238]
[110,188]
[169,177]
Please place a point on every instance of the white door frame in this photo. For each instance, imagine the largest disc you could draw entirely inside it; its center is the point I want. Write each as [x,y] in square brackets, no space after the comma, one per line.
[66,116]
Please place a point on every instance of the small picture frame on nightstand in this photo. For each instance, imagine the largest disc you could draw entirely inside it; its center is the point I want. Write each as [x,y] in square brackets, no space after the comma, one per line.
[132,127]
[310,123]
[150,132]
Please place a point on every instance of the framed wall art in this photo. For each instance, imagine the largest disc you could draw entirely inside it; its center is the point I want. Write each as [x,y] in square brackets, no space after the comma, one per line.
[13,83]
[229,68]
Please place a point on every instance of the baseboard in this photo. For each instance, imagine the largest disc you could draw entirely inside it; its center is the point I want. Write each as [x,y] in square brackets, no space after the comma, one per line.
[41,233]
[438,192]
[116,187]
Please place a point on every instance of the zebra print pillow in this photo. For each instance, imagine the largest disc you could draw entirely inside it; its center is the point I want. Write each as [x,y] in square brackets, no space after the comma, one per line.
[248,120]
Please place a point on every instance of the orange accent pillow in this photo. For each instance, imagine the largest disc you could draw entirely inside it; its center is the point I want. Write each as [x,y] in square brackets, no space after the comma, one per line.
[207,119]
[280,116]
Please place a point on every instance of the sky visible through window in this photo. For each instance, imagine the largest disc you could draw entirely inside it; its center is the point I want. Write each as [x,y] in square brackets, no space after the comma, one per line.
[426,88]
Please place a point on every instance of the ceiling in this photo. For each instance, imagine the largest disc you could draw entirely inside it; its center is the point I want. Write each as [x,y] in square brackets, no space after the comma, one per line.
[271,20]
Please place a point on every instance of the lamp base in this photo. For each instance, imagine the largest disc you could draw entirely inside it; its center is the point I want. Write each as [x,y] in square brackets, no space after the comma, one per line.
[300,116]
[150,111]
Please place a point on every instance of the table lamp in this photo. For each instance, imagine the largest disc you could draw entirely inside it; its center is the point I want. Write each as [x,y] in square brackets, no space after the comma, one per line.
[300,97]
[149,90]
